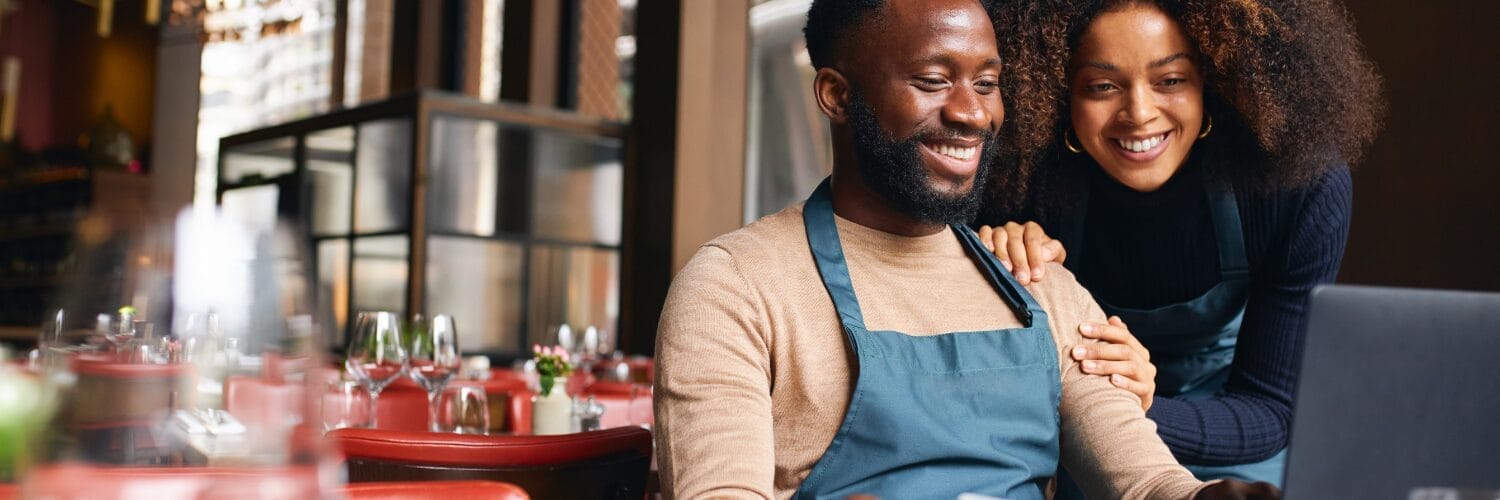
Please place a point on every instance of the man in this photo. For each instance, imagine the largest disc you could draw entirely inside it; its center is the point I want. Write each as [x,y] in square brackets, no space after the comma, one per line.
[864,342]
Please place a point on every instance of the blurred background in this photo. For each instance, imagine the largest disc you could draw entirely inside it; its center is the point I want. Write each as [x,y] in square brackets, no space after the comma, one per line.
[523,164]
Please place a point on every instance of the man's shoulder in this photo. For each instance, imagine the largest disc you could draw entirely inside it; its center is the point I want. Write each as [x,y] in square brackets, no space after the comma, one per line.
[745,267]
[1059,290]
[769,239]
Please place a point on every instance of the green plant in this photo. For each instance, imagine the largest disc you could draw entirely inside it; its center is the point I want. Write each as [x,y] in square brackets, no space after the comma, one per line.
[551,362]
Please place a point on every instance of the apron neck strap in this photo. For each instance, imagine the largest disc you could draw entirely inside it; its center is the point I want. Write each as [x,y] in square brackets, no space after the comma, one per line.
[1229,235]
[828,253]
[1021,303]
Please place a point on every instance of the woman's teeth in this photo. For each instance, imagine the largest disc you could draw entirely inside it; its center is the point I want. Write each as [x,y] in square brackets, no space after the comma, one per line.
[956,152]
[1143,145]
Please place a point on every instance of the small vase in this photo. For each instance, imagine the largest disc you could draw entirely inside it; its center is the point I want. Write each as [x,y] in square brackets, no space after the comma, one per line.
[553,413]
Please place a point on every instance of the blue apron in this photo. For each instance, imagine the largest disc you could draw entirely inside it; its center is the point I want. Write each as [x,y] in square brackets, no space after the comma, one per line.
[1192,343]
[936,416]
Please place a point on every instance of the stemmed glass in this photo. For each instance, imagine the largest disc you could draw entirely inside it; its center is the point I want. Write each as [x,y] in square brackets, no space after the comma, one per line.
[377,355]
[435,359]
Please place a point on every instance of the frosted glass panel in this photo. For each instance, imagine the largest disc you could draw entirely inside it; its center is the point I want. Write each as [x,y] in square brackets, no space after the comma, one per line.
[380,274]
[575,285]
[265,159]
[478,282]
[254,207]
[330,169]
[462,180]
[578,190]
[382,190]
[333,286]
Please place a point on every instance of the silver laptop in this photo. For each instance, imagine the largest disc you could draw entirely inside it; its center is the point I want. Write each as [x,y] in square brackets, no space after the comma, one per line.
[1399,396]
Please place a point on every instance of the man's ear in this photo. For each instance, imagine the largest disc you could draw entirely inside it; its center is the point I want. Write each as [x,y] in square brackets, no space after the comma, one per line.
[831,90]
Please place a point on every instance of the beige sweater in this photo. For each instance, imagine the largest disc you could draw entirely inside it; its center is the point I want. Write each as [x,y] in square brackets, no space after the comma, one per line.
[754,374]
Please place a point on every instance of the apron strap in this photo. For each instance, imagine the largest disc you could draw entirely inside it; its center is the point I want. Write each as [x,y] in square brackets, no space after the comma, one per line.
[828,253]
[1021,303]
[1228,233]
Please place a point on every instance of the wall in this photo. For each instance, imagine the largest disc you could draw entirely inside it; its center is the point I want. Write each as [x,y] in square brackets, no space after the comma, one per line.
[28,33]
[1426,208]
[69,74]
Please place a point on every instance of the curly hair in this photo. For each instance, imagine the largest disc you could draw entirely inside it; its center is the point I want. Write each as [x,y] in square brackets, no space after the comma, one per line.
[1288,84]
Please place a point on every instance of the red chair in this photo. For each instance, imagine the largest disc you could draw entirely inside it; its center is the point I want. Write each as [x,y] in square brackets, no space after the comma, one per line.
[116,405]
[403,405]
[257,401]
[156,483]
[611,463]
[435,490]
[68,481]
[261,403]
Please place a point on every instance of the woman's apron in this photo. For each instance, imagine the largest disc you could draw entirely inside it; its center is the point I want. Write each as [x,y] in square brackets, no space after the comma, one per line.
[1192,342]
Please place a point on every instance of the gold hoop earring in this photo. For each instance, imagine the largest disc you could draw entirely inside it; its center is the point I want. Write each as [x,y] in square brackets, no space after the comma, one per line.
[1069,143]
[1207,129]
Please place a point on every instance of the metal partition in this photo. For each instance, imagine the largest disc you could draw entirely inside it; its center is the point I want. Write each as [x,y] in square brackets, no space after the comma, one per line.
[506,217]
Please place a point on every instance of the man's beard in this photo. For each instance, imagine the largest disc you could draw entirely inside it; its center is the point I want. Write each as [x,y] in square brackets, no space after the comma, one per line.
[893,167]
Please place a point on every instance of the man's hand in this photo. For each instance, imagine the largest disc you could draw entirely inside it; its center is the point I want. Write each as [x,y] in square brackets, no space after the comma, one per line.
[1022,249]
[1230,489]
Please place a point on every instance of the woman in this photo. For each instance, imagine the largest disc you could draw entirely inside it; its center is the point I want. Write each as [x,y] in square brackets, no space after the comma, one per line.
[1191,154]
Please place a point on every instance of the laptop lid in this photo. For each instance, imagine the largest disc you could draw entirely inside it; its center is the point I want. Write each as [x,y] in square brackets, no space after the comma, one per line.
[1399,395]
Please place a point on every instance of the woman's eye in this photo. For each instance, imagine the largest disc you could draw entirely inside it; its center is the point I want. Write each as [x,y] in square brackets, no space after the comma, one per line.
[1173,82]
[1097,88]
[987,86]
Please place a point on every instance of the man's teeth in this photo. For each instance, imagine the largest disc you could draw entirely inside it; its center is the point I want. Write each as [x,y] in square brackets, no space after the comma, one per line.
[956,152]
[1141,146]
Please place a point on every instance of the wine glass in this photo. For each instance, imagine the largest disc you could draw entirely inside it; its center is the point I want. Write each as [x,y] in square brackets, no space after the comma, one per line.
[122,332]
[465,410]
[346,404]
[377,355]
[434,360]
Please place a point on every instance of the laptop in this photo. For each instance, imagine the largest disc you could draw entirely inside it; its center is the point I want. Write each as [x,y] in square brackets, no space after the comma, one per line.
[1399,396]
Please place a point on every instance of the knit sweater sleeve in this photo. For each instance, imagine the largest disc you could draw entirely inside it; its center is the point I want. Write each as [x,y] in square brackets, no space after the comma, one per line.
[1249,420]
[714,433]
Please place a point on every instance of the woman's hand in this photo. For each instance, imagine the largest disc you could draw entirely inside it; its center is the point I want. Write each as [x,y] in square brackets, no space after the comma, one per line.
[1122,358]
[1022,249]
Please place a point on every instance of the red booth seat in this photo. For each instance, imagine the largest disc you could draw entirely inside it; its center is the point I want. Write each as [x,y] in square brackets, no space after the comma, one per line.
[82,481]
[611,463]
[78,481]
[435,490]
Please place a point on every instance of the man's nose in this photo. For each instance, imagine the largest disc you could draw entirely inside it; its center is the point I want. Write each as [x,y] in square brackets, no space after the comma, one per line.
[966,109]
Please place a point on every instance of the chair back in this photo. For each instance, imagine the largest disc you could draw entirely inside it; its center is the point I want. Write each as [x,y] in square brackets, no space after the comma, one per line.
[434,490]
[611,463]
[153,483]
[258,402]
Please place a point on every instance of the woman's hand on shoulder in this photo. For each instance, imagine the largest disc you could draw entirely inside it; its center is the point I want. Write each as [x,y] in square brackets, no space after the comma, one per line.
[1023,248]
[1121,357]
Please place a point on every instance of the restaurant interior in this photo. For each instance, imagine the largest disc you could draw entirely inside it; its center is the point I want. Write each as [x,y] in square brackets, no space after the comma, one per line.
[419,249]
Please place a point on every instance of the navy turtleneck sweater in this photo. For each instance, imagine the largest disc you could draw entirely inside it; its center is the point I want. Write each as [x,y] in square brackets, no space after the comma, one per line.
[1147,250]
